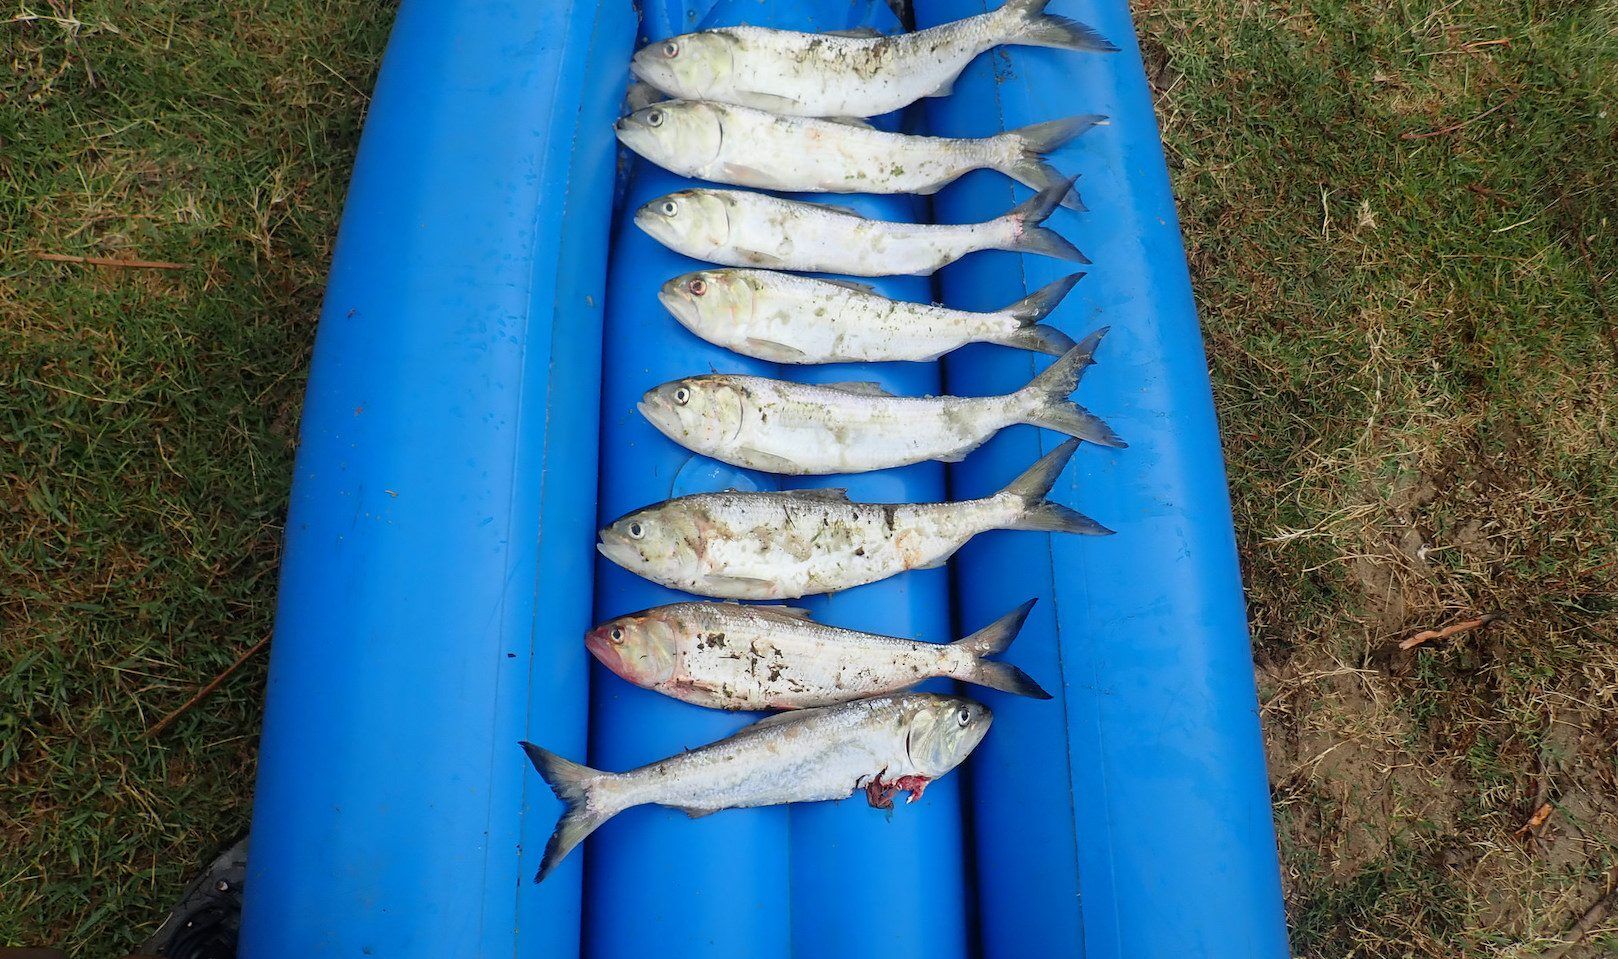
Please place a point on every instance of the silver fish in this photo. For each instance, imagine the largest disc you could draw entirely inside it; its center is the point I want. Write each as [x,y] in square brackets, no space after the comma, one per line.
[885,745]
[728,656]
[738,228]
[785,318]
[841,75]
[790,544]
[726,143]
[799,429]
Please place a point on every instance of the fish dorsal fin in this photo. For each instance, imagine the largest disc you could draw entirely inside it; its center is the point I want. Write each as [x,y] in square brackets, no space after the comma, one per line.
[859,123]
[845,211]
[795,614]
[831,495]
[855,33]
[859,389]
[851,285]
[790,716]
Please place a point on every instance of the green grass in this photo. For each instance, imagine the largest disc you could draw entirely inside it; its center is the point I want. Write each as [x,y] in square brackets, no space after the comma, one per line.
[1404,236]
[1414,351]
[147,422]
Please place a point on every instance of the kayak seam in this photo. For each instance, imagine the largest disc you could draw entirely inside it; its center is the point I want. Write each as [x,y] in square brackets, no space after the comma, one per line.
[536,269]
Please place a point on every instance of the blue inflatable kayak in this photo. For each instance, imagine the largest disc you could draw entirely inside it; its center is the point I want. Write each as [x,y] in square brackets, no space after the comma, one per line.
[490,320]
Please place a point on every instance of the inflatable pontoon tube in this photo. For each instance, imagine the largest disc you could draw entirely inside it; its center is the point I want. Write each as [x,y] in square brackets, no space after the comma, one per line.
[1140,823]
[437,571]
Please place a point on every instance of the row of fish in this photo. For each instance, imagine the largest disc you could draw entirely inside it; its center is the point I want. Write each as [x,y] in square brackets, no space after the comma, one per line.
[782,110]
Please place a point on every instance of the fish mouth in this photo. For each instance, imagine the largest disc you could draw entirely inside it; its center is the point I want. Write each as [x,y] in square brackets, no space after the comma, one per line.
[658,414]
[617,550]
[673,302]
[604,651]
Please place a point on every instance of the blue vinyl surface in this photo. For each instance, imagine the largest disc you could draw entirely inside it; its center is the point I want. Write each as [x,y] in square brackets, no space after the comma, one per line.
[428,618]
[775,881]
[490,322]
[1153,835]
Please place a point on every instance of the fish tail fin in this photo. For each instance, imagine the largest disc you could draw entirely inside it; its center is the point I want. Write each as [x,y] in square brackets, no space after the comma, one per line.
[1038,513]
[991,640]
[1049,407]
[1030,312]
[573,785]
[1028,236]
[1041,29]
[1031,143]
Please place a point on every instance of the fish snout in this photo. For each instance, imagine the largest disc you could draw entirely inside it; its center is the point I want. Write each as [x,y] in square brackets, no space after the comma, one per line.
[617,548]
[599,644]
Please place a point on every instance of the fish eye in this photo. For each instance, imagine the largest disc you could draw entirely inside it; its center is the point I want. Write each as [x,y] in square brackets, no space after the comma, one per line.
[965,715]
[682,396]
[636,531]
[617,634]
[670,208]
[655,118]
[671,49]
[697,287]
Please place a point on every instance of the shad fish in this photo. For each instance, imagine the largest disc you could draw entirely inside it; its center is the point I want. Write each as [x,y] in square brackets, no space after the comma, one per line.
[884,745]
[851,74]
[725,143]
[779,426]
[784,545]
[785,318]
[728,656]
[739,228]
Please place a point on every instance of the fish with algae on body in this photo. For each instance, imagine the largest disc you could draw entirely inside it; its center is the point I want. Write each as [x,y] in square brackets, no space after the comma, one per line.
[829,75]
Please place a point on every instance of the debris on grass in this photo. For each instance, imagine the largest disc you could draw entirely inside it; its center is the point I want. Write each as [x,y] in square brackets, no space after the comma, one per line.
[1536,820]
[1428,635]
[109,261]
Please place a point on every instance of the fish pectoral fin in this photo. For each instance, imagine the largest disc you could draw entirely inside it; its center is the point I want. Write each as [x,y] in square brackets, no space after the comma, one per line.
[856,33]
[749,583]
[758,459]
[859,389]
[763,259]
[774,348]
[770,101]
[935,564]
[742,173]
[696,813]
[852,285]
[832,494]
[858,122]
